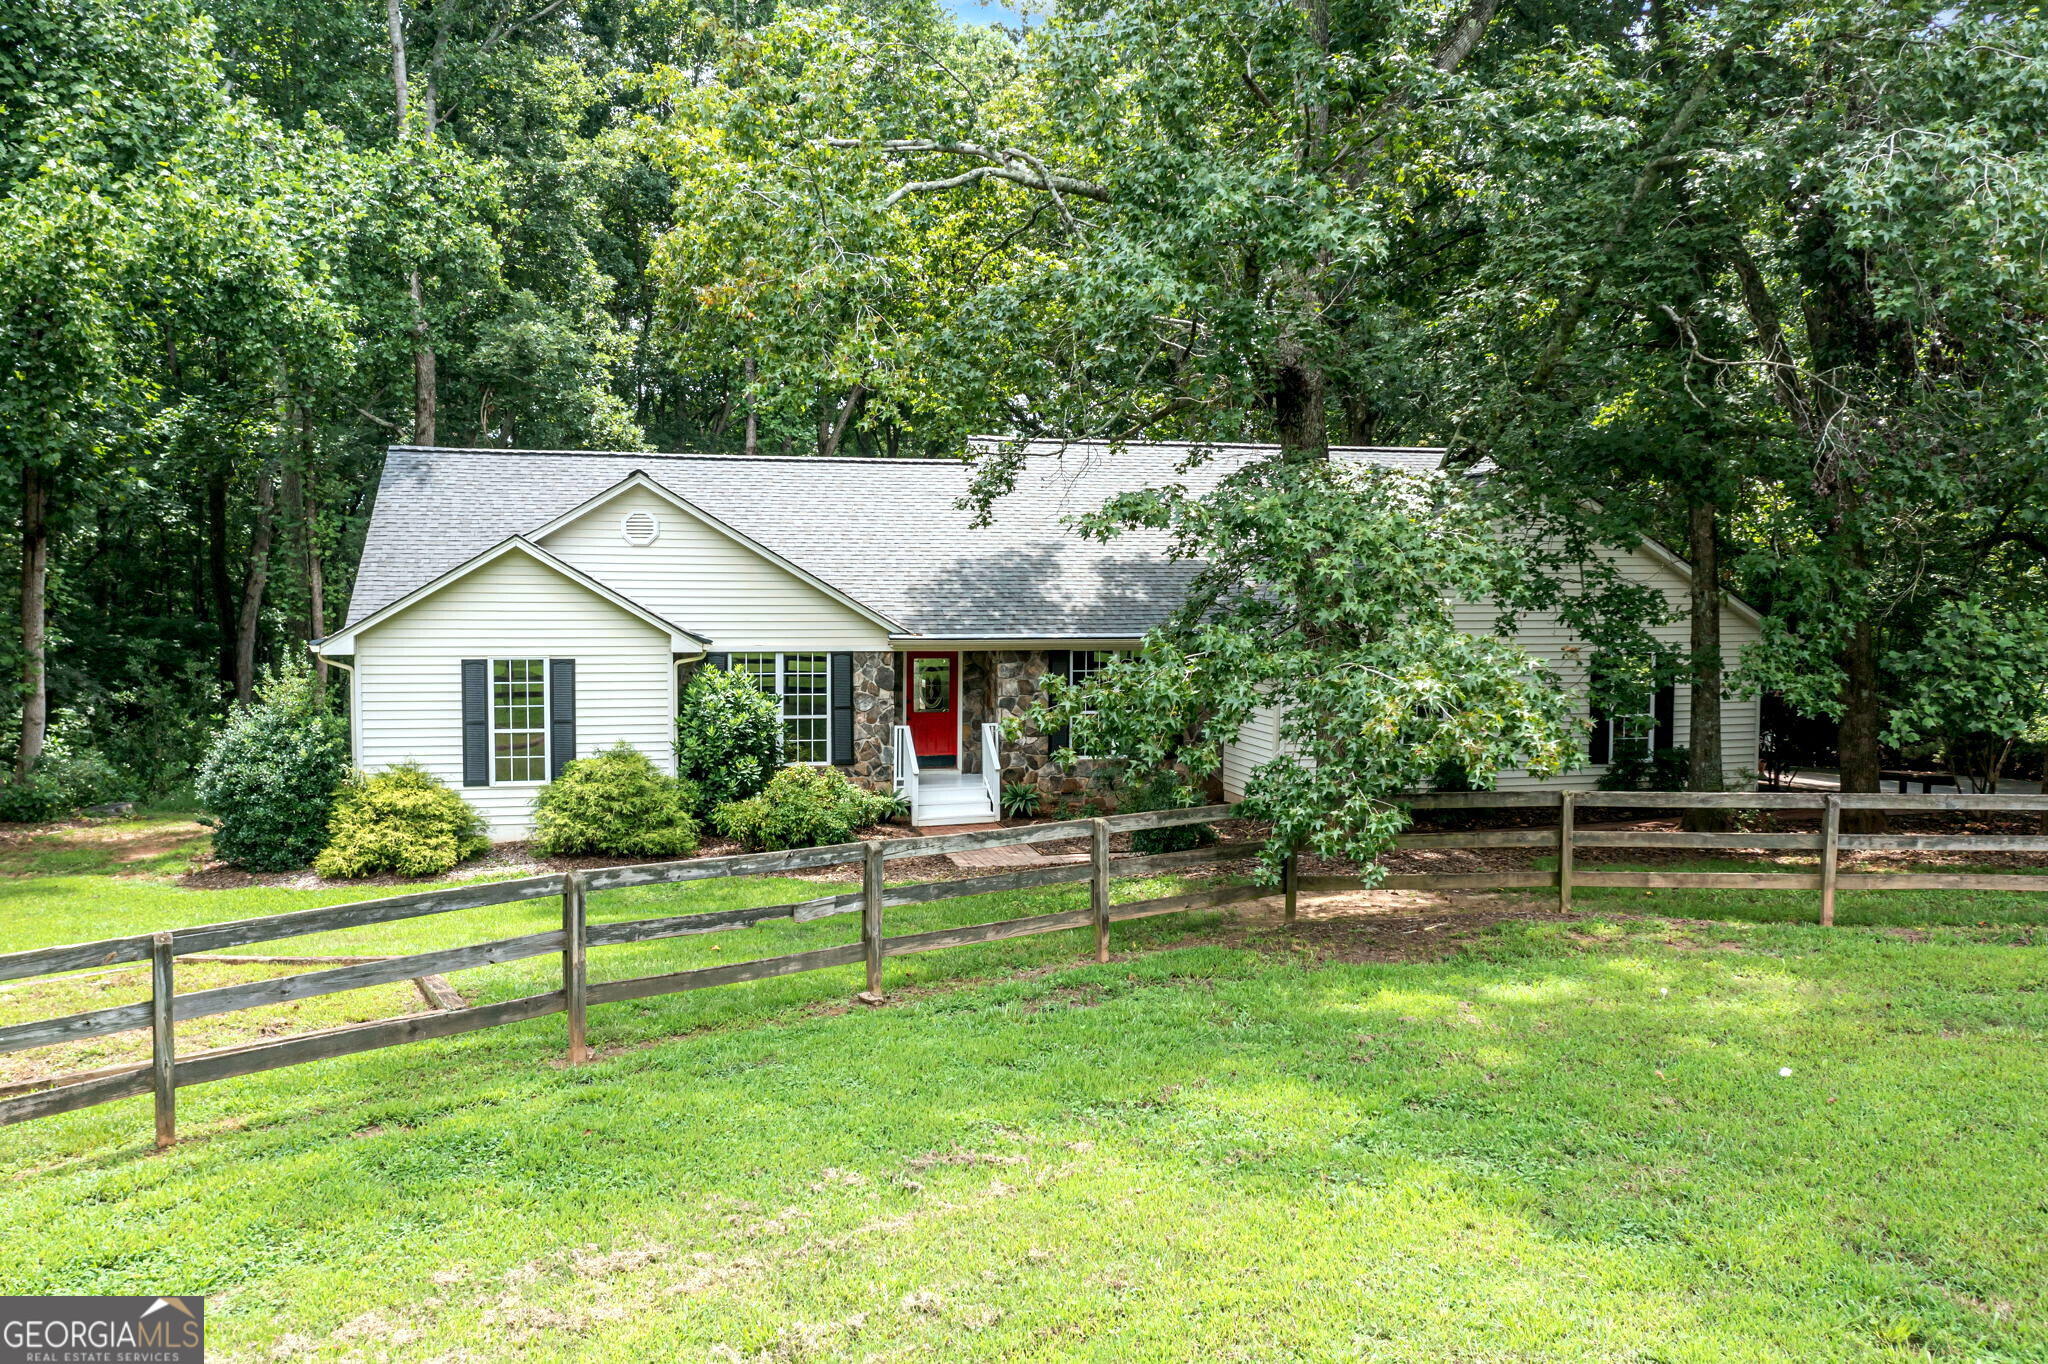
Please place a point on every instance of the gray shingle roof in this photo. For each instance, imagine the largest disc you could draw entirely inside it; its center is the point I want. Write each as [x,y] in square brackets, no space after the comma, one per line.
[886,532]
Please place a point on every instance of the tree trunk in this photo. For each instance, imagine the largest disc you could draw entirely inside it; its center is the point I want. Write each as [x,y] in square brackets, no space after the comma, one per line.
[394,23]
[301,512]
[1298,419]
[316,596]
[251,614]
[1361,420]
[1704,771]
[422,367]
[217,569]
[1856,736]
[829,442]
[753,417]
[422,353]
[35,581]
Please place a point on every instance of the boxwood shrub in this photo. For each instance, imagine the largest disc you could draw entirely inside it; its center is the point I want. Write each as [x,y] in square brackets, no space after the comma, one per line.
[802,807]
[616,804]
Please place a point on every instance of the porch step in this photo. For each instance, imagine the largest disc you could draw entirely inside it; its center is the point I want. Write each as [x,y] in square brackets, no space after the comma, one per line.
[947,798]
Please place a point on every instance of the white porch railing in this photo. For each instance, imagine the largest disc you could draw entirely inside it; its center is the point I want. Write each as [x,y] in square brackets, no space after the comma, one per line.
[992,766]
[903,765]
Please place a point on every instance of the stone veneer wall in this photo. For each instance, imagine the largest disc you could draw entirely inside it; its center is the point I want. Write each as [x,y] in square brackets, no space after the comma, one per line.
[876,689]
[994,684]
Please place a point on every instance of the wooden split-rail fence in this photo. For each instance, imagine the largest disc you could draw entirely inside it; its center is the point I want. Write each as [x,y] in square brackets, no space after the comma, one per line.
[165,1008]
[1829,841]
[169,1072]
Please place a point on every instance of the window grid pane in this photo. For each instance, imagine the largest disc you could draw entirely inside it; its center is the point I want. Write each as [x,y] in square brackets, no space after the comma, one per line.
[519,742]
[803,684]
[805,707]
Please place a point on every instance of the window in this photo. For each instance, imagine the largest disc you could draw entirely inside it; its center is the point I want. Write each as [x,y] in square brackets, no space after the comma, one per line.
[519,719]
[1083,664]
[802,681]
[1634,734]
[931,688]
[1631,737]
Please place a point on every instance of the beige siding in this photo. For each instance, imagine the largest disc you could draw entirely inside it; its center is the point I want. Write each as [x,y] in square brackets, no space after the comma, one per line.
[409,675]
[703,581]
[1548,639]
[1257,743]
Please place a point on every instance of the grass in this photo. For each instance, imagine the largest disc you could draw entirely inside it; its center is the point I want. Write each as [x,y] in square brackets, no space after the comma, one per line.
[1571,1141]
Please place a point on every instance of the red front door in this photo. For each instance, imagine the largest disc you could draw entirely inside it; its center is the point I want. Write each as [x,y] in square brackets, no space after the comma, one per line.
[934,693]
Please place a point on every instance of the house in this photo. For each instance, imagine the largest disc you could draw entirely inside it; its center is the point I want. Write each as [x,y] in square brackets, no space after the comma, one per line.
[518,608]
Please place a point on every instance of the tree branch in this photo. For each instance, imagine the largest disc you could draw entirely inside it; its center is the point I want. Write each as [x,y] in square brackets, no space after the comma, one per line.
[1661,159]
[997,166]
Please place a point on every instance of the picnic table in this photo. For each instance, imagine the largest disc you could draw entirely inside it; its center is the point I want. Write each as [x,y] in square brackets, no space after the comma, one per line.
[1928,780]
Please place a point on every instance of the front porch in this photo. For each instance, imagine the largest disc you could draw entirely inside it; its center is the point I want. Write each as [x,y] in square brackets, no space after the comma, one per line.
[929,722]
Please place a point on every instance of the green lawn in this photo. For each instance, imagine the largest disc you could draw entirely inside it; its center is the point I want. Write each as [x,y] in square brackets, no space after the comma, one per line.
[1570,1142]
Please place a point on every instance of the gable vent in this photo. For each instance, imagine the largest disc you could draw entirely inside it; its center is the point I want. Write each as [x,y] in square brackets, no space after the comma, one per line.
[640,527]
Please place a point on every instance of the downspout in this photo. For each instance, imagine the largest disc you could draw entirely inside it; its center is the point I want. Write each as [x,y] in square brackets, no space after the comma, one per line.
[355,759]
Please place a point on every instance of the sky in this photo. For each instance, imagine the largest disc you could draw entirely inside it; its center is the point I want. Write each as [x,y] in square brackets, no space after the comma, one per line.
[976,12]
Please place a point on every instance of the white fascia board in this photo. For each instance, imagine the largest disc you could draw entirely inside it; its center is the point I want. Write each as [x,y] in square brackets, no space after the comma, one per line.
[942,642]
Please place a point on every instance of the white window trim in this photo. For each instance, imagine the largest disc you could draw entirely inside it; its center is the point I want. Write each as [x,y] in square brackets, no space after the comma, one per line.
[1646,721]
[733,663]
[547,729]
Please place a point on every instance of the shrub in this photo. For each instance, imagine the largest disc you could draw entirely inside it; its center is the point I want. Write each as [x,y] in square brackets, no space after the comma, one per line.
[1165,791]
[402,820]
[69,775]
[617,804]
[891,805]
[728,737]
[1666,769]
[1021,799]
[801,807]
[269,780]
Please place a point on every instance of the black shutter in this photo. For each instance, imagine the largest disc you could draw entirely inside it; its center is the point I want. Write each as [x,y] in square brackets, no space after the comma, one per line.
[842,709]
[476,722]
[1665,709]
[561,715]
[1059,663]
[718,661]
[1599,744]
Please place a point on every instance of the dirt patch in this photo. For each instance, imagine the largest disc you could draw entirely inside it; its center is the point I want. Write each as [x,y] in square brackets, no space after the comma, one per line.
[114,846]
[1382,925]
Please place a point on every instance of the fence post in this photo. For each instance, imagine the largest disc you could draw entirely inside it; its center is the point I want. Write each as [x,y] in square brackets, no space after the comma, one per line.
[1565,801]
[1290,882]
[871,915]
[163,1054]
[575,971]
[1830,843]
[1098,884]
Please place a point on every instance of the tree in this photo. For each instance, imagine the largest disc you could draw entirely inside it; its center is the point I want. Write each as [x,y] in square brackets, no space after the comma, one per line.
[1325,592]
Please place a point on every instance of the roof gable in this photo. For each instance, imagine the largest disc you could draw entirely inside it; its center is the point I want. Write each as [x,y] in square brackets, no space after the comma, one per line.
[342,642]
[639,481]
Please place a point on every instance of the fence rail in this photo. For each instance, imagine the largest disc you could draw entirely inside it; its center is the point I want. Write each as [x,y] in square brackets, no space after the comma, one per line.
[1830,842]
[169,1072]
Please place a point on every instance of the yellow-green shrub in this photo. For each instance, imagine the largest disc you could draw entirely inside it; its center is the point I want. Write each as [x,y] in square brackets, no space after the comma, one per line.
[402,820]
